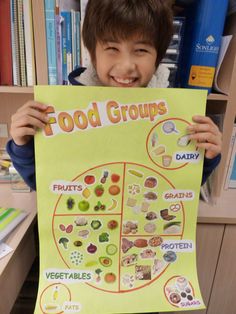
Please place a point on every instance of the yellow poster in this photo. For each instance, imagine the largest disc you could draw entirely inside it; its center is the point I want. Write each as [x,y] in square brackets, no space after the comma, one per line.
[118,186]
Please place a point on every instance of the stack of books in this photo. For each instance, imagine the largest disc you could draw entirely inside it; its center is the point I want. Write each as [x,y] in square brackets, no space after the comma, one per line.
[9,219]
[65,51]
[16,37]
[5,164]
[8,174]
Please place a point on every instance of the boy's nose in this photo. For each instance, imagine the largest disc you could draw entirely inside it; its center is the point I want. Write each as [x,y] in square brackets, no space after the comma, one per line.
[127,63]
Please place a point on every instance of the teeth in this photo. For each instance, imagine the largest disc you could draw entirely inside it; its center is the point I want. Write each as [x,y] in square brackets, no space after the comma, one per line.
[124,81]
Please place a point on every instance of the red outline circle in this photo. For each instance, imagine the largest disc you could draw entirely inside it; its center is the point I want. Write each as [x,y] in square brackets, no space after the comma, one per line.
[54,284]
[147,140]
[123,163]
[169,281]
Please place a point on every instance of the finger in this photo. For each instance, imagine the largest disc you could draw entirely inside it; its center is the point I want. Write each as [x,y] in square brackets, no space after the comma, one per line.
[26,121]
[195,128]
[202,119]
[211,150]
[204,137]
[29,112]
[33,104]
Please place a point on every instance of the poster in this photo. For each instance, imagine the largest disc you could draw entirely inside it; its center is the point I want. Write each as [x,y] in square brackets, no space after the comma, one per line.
[118,186]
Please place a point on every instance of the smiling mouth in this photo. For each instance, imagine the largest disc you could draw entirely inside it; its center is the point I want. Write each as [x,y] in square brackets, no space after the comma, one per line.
[124,82]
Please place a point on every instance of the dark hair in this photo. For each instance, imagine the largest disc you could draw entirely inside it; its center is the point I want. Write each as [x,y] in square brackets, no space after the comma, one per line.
[122,19]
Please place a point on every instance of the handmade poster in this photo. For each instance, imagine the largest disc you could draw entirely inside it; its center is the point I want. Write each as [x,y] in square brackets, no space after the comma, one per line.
[118,184]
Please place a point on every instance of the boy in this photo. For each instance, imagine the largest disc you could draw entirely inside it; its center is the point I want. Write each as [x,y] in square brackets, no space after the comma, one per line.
[126,40]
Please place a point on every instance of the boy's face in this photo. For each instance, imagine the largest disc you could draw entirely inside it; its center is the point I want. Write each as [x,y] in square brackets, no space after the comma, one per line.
[126,63]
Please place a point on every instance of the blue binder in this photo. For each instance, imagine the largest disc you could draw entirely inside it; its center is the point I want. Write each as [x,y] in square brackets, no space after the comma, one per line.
[204,28]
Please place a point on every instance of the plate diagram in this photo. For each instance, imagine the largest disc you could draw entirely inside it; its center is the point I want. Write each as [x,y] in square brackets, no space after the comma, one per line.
[116,225]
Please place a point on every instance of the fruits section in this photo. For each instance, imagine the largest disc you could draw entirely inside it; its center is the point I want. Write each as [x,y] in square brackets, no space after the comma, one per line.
[116,225]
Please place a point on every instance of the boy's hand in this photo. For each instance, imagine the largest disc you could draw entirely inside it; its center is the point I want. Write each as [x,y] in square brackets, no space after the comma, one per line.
[207,135]
[26,120]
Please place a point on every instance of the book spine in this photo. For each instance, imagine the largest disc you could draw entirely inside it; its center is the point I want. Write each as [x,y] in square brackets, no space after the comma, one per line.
[232,168]
[51,41]
[202,43]
[17,47]
[85,57]
[74,40]
[21,42]
[230,162]
[29,42]
[63,49]
[66,46]
[5,43]
[13,45]
[77,39]
[58,45]
[68,43]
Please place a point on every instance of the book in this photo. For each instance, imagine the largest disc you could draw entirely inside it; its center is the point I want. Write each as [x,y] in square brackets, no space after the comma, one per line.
[16,45]
[4,249]
[29,42]
[232,169]
[17,182]
[205,191]
[13,45]
[5,164]
[6,77]
[202,43]
[66,45]
[58,21]
[51,41]
[4,154]
[67,5]
[77,39]
[230,181]
[75,33]
[21,38]
[9,219]
[225,64]
[85,57]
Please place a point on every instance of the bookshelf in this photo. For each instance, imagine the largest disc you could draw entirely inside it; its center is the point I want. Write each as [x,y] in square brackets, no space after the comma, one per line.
[213,218]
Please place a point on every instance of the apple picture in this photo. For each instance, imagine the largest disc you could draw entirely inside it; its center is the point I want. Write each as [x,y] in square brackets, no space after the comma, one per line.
[83,205]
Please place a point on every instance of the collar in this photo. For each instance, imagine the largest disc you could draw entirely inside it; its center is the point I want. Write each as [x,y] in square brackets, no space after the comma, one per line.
[88,77]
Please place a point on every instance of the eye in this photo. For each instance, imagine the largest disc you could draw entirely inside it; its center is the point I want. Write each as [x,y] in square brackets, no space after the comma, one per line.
[141,51]
[111,48]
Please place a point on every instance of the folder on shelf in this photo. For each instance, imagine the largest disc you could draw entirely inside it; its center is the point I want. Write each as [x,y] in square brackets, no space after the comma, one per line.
[225,64]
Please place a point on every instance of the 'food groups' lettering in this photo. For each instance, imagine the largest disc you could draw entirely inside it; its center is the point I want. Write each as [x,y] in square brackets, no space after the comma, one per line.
[98,116]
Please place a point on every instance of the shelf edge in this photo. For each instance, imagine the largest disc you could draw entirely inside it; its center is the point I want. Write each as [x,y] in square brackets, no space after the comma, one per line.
[16,90]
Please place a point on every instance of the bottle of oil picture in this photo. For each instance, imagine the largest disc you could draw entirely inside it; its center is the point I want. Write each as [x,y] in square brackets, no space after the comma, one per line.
[204,28]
